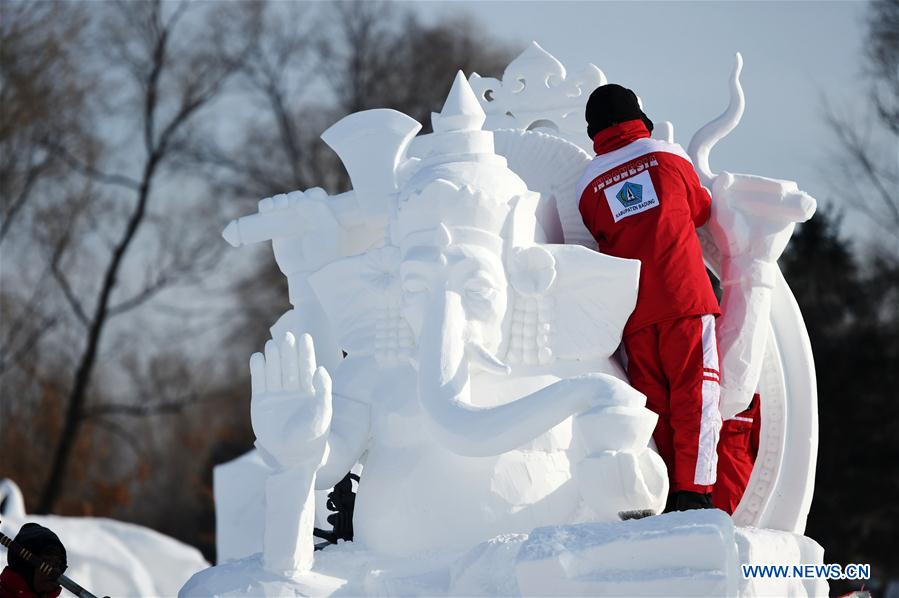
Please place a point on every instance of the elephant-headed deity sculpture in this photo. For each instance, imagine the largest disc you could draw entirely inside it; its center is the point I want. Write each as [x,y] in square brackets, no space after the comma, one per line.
[455,334]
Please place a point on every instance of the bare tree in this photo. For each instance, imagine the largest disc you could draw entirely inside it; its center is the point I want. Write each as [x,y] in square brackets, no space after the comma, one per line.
[866,154]
[380,57]
[883,60]
[849,297]
[280,76]
[43,99]
[173,83]
[315,64]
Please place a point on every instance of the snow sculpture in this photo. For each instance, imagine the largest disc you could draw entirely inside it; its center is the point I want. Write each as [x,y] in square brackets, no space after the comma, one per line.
[478,388]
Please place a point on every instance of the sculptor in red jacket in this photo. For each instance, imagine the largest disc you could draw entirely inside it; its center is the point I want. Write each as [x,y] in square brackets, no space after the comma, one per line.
[641,199]
[21,579]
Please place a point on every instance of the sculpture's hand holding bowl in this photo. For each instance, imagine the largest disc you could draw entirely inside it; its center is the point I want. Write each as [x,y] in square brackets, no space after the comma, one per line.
[752,220]
[753,217]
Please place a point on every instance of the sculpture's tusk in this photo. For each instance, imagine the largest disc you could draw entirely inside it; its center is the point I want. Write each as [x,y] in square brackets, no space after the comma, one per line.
[486,360]
[706,137]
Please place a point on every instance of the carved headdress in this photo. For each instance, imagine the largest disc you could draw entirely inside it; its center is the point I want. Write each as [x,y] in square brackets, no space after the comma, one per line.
[452,188]
[461,186]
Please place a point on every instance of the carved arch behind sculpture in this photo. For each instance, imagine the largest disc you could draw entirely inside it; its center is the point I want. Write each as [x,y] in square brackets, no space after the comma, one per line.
[779,492]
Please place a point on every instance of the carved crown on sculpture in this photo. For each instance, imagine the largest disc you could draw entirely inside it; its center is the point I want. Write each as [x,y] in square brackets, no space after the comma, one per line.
[536,91]
[460,198]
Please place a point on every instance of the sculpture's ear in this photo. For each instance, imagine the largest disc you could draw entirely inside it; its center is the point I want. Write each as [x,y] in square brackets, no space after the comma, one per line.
[570,303]
[532,270]
[356,293]
[593,296]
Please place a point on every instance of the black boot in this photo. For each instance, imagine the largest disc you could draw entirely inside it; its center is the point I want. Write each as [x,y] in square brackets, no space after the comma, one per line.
[684,500]
[669,504]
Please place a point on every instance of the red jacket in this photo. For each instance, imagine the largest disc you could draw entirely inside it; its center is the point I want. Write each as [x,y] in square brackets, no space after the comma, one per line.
[641,199]
[13,586]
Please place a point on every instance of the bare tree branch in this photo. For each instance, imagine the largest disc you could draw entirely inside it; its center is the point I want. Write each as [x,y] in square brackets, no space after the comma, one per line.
[71,299]
[31,178]
[139,410]
[859,153]
[119,431]
[18,324]
[91,172]
[36,334]
[63,282]
[148,292]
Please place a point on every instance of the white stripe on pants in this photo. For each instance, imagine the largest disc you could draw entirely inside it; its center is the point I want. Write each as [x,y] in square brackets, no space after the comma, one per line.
[710,425]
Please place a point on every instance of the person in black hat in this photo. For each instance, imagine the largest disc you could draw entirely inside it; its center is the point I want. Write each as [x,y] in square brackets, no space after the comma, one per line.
[20,579]
[641,199]
[610,105]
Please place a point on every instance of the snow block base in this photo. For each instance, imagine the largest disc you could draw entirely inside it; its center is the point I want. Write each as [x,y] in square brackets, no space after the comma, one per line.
[246,577]
[695,553]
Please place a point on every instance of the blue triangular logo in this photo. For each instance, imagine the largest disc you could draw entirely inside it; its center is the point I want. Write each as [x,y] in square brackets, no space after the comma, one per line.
[630,194]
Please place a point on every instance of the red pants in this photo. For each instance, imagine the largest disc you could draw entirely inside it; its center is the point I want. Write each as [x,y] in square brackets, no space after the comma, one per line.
[675,364]
[737,450]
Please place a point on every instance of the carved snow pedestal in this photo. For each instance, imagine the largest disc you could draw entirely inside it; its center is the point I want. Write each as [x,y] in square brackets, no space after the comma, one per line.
[499,438]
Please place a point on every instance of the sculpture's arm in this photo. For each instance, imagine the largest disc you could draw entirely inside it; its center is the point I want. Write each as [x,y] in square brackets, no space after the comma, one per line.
[308,230]
[347,440]
[308,227]
[291,414]
[307,445]
[742,331]
[752,221]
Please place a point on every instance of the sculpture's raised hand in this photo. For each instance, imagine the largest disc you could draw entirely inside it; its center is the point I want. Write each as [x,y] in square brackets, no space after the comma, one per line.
[291,404]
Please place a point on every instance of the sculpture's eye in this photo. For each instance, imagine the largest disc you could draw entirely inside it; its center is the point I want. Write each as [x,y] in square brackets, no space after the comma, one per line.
[414,285]
[481,289]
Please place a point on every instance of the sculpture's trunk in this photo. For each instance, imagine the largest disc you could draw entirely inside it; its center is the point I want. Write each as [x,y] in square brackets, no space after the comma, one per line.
[443,373]
[444,389]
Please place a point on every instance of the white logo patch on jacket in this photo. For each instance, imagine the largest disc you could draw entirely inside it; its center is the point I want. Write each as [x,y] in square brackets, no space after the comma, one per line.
[631,196]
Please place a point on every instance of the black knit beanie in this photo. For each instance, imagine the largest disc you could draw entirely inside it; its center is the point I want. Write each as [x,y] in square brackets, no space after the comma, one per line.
[612,104]
[37,539]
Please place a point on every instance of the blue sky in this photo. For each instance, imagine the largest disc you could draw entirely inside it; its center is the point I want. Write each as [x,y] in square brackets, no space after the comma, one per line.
[678,56]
